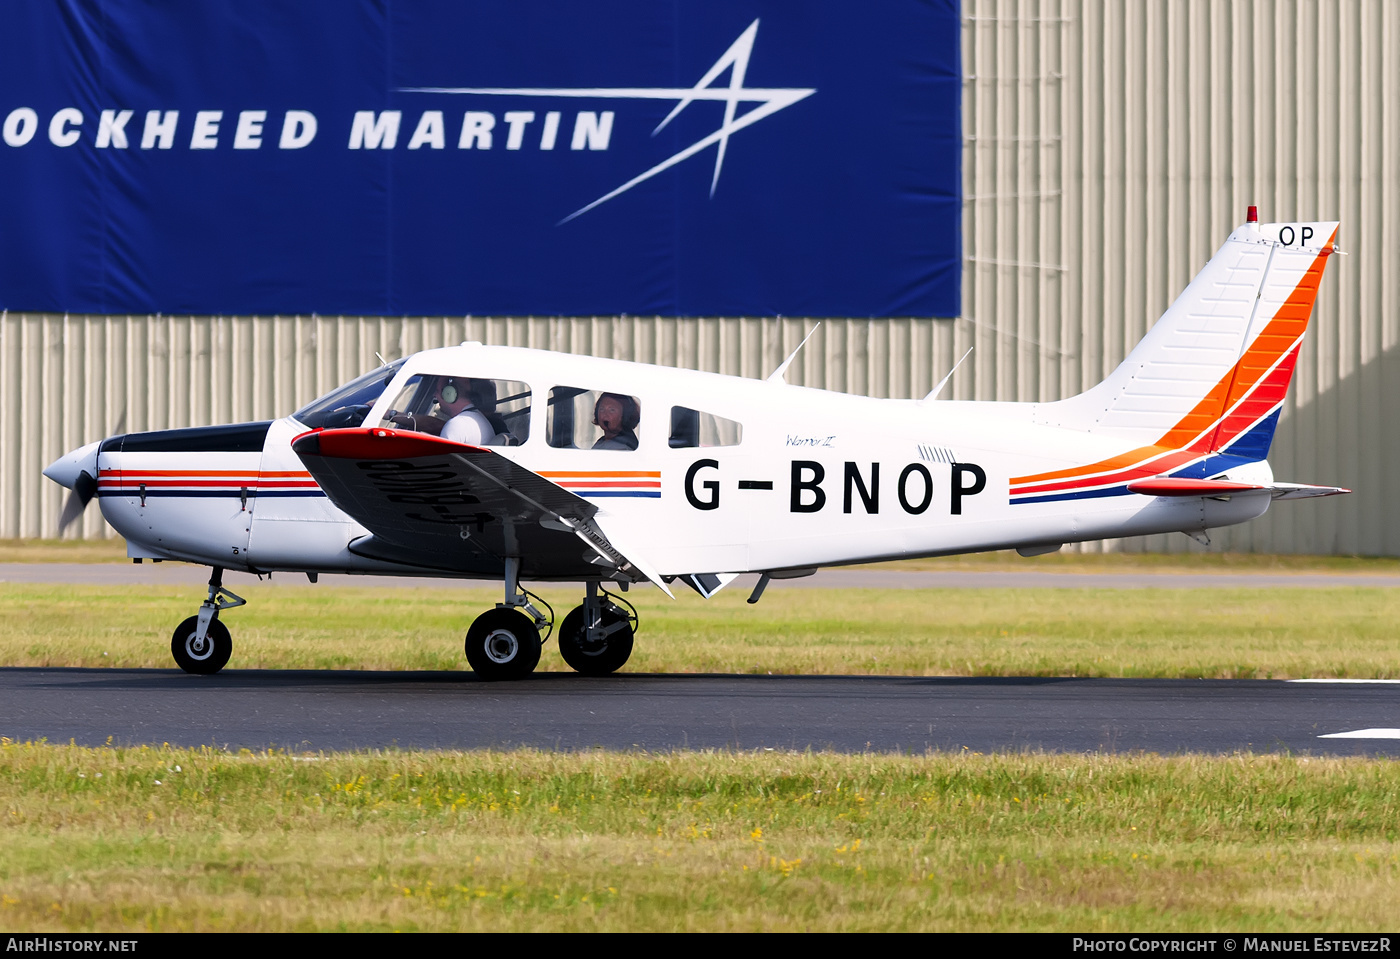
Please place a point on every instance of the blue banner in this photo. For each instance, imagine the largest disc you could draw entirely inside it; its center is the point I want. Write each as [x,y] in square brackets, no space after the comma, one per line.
[723,158]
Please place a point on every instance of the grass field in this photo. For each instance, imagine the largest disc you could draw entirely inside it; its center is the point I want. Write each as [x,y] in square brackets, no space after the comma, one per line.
[1209,633]
[165,839]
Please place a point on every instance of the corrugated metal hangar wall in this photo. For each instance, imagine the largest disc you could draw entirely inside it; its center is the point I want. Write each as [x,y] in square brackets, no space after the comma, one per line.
[1110,145]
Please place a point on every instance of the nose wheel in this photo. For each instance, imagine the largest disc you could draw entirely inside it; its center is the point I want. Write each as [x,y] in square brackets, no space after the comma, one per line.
[201,644]
[204,655]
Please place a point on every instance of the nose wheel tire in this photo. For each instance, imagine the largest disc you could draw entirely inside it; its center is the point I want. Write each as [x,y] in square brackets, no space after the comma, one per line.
[503,644]
[597,657]
[202,658]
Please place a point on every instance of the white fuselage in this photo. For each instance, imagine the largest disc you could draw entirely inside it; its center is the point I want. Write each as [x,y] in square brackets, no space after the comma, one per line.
[818,478]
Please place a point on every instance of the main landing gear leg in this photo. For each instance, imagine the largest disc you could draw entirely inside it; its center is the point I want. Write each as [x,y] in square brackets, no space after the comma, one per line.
[504,643]
[201,644]
[596,638]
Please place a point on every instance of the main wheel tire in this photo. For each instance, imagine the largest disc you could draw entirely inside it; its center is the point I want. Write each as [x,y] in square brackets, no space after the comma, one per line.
[503,644]
[203,659]
[601,657]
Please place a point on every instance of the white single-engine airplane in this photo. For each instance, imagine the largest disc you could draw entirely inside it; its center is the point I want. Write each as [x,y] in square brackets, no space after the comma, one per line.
[504,463]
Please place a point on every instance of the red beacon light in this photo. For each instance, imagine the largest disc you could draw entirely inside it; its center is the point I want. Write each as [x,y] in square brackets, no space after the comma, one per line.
[1253,215]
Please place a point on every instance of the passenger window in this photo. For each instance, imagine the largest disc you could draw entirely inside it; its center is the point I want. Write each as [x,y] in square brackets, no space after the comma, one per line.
[467,409]
[592,419]
[692,428]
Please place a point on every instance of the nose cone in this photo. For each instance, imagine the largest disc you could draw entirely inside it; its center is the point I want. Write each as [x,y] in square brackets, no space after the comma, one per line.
[67,468]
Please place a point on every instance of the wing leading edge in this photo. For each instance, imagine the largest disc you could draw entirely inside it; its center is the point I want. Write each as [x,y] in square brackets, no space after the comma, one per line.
[438,504]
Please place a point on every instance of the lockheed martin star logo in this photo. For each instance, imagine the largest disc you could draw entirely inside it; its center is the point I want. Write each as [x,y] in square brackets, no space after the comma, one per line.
[736,59]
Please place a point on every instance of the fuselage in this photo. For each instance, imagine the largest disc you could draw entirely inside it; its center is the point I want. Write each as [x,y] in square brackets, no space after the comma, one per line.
[728,474]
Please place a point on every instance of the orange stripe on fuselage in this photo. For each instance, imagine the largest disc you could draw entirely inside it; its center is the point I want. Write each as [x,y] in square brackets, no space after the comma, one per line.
[1288,324]
[610,484]
[601,474]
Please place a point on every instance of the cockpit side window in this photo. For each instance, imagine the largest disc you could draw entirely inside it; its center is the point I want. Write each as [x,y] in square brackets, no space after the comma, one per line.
[592,419]
[349,404]
[694,428]
[469,409]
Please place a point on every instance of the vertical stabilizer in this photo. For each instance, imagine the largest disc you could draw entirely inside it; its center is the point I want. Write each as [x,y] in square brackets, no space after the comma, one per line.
[1219,361]
[1203,390]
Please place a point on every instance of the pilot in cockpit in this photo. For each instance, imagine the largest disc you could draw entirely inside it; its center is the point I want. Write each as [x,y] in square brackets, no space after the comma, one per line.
[460,416]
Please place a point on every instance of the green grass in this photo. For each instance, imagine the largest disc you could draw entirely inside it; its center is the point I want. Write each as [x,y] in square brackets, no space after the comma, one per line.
[527,840]
[1207,633]
[177,839]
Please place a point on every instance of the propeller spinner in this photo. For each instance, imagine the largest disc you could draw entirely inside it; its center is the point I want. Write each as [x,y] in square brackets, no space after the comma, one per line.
[76,471]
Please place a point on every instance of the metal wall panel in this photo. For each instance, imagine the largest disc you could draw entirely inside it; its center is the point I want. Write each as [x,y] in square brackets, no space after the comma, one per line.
[1110,145]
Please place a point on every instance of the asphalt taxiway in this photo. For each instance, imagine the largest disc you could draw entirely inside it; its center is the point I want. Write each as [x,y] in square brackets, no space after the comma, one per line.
[325,710]
[302,711]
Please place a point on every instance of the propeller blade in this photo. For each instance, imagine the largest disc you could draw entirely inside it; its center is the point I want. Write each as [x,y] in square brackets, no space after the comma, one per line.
[83,491]
[84,484]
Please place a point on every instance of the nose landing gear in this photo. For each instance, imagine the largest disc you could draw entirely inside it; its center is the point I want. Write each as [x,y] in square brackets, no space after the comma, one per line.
[201,644]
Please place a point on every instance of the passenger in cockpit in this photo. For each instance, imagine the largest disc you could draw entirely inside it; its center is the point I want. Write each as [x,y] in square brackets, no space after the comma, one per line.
[617,416]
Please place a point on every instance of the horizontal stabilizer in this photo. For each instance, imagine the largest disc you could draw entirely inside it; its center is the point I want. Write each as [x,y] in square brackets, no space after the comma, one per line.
[1175,486]
[1181,486]
[1304,491]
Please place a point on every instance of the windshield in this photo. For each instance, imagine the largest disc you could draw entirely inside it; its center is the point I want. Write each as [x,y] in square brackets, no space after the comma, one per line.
[347,405]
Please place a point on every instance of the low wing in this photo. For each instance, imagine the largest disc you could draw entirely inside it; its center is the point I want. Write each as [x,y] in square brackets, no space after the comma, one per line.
[439,504]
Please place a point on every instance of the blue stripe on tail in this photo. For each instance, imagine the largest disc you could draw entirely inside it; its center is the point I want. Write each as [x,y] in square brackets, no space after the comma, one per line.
[1252,447]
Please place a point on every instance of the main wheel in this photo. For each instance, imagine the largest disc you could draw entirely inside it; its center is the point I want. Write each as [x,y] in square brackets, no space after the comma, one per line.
[205,658]
[503,644]
[598,657]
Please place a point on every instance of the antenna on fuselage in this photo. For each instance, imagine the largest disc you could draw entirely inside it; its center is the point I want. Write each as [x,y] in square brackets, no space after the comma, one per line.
[777,375]
[933,393]
[381,359]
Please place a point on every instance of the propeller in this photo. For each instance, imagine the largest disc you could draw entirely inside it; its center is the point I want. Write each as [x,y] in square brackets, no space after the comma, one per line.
[78,471]
[84,488]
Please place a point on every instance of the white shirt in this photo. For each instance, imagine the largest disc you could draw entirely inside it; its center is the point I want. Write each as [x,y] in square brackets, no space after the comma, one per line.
[470,427]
